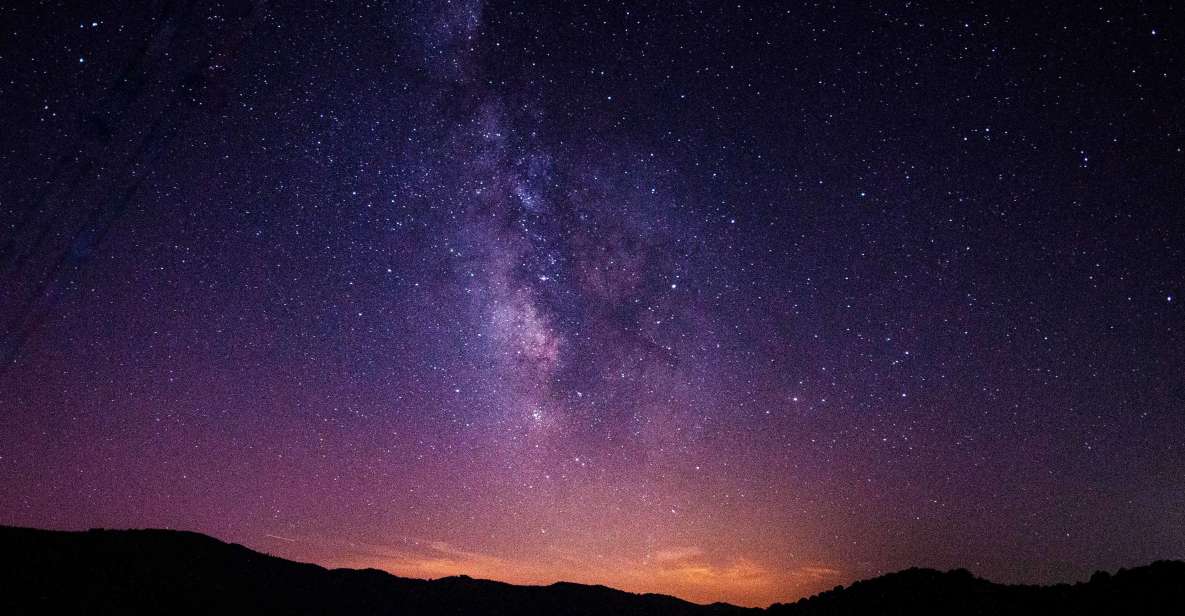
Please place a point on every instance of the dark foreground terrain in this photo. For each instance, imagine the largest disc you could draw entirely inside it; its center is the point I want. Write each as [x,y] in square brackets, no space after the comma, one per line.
[173,572]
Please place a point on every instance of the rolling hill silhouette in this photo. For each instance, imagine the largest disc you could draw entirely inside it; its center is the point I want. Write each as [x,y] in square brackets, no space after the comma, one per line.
[163,571]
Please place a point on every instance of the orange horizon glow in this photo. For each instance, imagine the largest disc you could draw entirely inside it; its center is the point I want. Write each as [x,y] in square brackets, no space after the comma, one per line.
[683,572]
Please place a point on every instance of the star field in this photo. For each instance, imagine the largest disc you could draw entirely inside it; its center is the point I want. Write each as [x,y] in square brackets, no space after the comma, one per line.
[731,301]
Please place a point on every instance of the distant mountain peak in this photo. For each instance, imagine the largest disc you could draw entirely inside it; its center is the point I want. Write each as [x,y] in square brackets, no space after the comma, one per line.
[155,571]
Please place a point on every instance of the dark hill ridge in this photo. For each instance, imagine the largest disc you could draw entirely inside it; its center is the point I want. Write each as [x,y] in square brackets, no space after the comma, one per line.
[161,571]
[1158,588]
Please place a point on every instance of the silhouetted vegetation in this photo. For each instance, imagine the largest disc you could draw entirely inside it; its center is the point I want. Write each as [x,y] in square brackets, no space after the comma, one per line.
[1158,588]
[159,572]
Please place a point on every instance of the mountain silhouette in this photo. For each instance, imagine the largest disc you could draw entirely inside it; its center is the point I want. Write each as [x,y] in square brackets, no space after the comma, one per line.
[1158,588]
[178,572]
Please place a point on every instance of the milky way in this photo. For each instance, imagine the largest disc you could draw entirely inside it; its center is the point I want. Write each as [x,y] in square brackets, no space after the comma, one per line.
[728,301]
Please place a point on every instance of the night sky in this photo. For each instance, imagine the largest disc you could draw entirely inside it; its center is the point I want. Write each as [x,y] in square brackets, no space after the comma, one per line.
[731,301]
